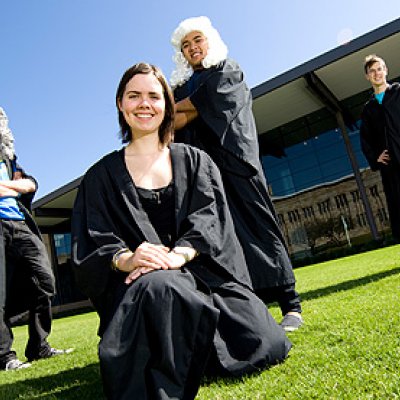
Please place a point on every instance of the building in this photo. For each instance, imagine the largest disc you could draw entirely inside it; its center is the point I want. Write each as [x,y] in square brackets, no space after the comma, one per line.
[308,121]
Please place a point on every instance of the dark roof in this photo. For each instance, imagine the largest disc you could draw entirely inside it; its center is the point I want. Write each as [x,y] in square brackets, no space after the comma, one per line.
[285,98]
[53,211]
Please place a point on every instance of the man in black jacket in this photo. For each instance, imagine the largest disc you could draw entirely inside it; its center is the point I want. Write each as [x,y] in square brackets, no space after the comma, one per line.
[380,134]
[24,265]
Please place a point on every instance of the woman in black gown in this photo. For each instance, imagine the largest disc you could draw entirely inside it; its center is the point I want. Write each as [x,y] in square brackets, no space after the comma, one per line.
[154,248]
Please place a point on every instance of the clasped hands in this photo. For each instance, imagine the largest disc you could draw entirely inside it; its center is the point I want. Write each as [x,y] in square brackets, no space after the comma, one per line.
[148,257]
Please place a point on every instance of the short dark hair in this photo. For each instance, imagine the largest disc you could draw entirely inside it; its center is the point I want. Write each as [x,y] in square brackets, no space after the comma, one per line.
[372,59]
[167,126]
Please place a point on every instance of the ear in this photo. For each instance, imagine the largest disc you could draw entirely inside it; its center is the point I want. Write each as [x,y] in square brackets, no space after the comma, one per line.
[119,105]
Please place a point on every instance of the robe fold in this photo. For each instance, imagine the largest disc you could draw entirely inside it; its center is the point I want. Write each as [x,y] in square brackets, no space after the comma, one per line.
[225,129]
[162,332]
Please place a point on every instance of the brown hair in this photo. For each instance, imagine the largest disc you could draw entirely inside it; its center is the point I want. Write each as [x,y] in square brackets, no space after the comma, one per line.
[166,130]
[372,59]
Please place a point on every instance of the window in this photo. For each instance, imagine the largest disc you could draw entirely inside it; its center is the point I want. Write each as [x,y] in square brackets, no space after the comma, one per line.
[382,215]
[324,207]
[362,219]
[308,212]
[341,201]
[374,191]
[355,194]
[294,216]
[311,161]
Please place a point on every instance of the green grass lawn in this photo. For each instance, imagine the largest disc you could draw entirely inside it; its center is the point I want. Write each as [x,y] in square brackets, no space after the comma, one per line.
[348,348]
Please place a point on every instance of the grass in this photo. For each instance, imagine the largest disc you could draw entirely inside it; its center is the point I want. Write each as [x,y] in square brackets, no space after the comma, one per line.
[348,348]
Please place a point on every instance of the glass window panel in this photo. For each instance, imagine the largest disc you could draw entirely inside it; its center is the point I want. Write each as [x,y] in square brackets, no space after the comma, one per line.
[316,161]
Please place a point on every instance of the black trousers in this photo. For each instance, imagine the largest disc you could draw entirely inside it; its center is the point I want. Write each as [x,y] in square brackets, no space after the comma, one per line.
[29,286]
[286,297]
[391,186]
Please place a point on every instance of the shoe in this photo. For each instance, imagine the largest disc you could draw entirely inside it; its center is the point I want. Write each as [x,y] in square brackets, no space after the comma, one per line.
[51,353]
[15,364]
[291,322]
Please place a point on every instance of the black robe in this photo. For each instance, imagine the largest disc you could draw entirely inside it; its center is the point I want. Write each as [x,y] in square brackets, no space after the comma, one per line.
[158,333]
[380,130]
[225,129]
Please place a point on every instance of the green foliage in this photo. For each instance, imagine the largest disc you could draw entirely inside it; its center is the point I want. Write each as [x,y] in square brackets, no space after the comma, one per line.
[347,349]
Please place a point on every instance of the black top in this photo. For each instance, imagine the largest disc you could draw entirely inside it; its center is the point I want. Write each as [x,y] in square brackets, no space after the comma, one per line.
[159,205]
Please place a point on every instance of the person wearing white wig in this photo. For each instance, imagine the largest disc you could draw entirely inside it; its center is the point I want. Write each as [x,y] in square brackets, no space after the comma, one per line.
[26,278]
[214,113]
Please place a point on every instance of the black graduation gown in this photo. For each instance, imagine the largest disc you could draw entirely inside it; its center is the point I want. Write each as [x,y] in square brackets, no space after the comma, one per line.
[159,332]
[380,130]
[225,129]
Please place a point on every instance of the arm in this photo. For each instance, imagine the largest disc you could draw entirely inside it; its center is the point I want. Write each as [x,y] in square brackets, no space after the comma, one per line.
[185,112]
[372,151]
[149,257]
[19,186]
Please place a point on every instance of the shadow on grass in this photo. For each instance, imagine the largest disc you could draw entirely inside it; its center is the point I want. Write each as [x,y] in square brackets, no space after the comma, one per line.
[347,285]
[74,384]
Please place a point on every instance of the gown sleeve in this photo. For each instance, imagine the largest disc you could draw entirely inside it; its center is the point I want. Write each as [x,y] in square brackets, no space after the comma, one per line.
[223,101]
[94,234]
[205,223]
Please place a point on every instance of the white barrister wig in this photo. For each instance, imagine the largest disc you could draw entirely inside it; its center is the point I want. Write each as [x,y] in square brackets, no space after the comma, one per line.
[6,137]
[217,50]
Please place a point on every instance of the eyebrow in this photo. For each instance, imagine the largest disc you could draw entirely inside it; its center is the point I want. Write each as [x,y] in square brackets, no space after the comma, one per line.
[187,41]
[139,92]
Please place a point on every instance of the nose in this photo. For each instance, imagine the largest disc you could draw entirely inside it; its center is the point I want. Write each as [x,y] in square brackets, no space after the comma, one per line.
[192,46]
[144,102]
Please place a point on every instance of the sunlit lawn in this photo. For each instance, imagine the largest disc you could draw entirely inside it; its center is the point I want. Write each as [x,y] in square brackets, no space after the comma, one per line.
[348,348]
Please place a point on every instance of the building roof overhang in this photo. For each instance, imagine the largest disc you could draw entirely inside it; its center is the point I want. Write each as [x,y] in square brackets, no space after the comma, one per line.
[287,97]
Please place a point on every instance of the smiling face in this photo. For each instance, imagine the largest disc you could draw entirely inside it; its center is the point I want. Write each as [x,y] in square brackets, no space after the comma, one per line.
[377,73]
[143,104]
[195,48]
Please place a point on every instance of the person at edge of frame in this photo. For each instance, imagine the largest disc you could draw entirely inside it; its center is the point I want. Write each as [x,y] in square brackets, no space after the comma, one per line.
[26,278]
[380,135]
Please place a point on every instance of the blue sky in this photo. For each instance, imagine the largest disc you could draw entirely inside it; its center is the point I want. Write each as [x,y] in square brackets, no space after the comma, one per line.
[61,61]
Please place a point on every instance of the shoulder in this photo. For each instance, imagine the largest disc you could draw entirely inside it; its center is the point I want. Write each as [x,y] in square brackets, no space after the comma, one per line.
[101,165]
[227,65]
[193,153]
[394,88]
[369,103]
[231,64]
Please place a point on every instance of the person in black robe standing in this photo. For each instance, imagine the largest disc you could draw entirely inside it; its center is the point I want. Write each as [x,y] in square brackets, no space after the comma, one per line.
[154,249]
[380,135]
[214,114]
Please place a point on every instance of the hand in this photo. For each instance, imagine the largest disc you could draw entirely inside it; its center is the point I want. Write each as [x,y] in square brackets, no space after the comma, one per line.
[147,257]
[17,175]
[384,158]
[7,192]
[177,260]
